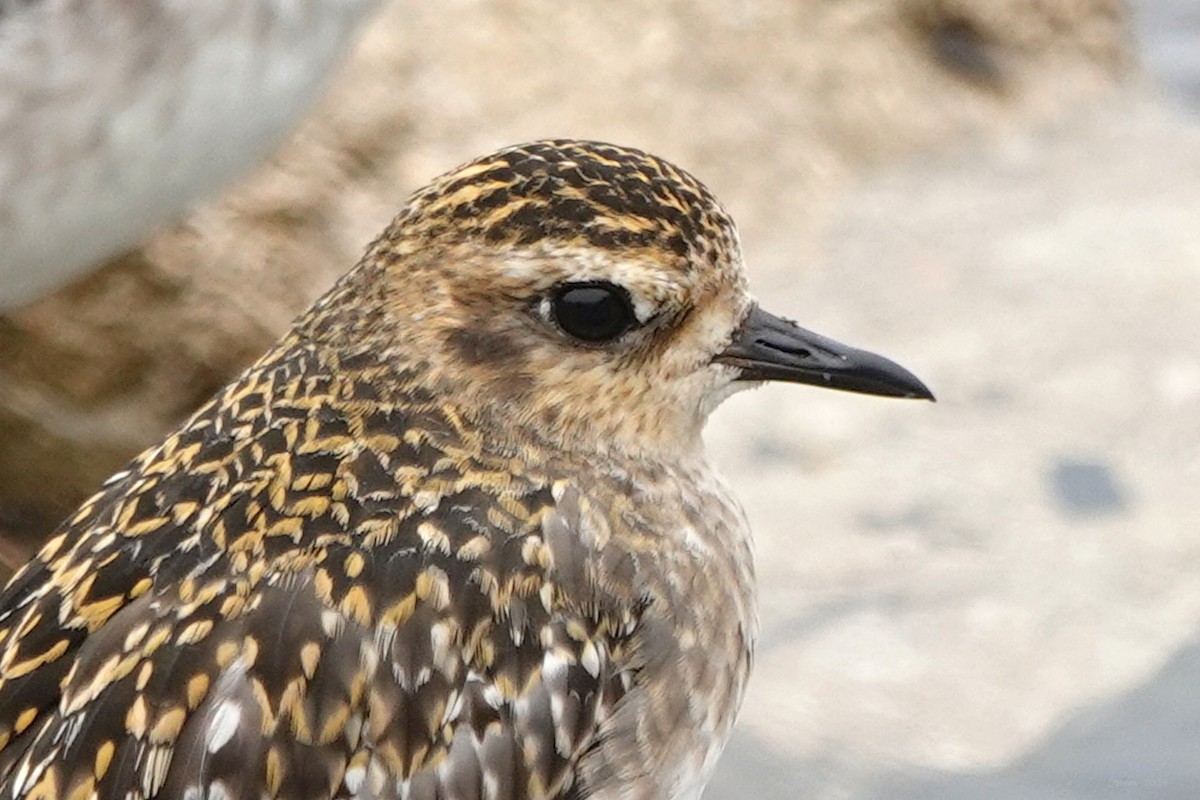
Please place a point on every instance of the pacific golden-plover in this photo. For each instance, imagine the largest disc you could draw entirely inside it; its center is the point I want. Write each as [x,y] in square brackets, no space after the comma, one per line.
[454,536]
[115,115]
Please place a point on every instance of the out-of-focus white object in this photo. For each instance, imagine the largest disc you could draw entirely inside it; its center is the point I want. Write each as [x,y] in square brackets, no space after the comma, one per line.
[115,115]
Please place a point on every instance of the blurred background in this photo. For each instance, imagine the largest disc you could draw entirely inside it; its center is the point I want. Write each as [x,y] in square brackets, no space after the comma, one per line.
[992,597]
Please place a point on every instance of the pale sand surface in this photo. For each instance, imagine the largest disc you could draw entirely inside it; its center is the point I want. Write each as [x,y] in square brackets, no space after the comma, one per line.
[994,596]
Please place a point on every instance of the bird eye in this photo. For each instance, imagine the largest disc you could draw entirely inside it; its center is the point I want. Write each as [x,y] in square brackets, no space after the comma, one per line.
[594,312]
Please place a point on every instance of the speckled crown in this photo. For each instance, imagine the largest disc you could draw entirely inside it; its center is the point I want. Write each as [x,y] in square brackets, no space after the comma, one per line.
[574,192]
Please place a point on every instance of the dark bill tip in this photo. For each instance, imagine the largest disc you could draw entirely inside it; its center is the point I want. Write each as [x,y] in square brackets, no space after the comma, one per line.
[767,348]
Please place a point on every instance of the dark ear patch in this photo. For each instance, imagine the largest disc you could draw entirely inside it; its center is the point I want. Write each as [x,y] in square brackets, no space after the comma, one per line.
[481,346]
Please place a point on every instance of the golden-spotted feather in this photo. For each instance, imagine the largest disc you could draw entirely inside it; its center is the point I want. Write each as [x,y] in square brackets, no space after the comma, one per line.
[272,661]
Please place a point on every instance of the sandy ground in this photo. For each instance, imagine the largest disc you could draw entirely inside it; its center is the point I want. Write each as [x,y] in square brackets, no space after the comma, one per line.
[994,596]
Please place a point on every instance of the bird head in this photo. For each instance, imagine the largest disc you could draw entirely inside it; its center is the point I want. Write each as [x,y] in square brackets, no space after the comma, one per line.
[590,294]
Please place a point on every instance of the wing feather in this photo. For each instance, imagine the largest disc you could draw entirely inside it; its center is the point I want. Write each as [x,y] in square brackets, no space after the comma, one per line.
[231,618]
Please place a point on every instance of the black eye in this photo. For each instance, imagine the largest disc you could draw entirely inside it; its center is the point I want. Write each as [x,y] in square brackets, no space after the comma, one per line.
[593,312]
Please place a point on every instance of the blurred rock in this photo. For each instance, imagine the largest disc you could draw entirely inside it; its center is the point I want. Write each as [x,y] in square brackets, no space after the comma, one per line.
[1167,31]
[117,115]
[774,104]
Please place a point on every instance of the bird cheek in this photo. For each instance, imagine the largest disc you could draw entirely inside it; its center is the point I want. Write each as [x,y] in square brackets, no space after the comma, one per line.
[479,346]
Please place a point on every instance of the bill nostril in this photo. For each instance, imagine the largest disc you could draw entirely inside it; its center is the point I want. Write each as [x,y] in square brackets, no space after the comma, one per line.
[784,347]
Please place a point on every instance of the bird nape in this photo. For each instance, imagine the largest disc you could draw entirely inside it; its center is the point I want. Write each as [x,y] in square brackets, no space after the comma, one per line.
[453,536]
